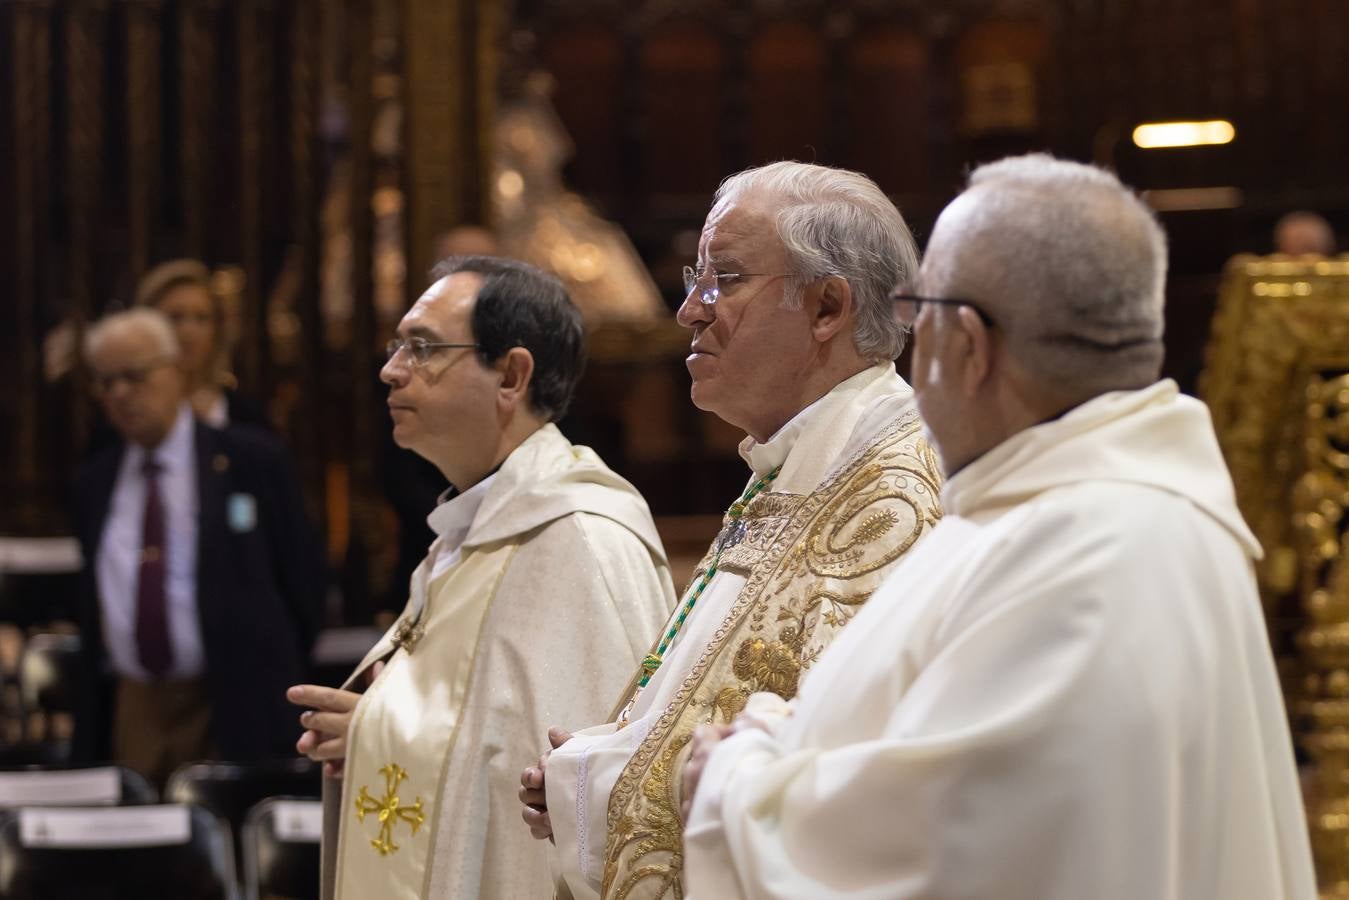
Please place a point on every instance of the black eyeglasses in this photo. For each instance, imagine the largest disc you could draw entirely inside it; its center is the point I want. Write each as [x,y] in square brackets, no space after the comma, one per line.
[907,307]
[420,350]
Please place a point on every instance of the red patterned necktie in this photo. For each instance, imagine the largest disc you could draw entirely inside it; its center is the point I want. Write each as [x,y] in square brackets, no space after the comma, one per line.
[152,612]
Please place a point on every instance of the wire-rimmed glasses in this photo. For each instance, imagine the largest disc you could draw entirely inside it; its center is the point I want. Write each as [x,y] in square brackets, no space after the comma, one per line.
[420,350]
[709,283]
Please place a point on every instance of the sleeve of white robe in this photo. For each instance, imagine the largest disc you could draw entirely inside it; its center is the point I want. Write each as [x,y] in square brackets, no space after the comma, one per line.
[576,606]
[869,819]
[580,776]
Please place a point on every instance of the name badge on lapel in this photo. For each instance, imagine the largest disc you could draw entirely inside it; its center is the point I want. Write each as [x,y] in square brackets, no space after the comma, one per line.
[241,510]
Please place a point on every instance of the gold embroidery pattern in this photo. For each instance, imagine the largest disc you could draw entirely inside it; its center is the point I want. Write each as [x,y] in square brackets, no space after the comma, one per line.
[770,665]
[807,574]
[658,829]
[407,634]
[389,809]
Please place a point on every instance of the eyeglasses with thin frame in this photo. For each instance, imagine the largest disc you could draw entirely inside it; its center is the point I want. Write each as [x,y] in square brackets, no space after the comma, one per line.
[709,288]
[420,350]
[907,306]
[134,376]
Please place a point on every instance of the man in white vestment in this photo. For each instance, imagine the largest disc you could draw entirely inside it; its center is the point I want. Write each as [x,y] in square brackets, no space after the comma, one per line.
[1066,691]
[793,340]
[539,595]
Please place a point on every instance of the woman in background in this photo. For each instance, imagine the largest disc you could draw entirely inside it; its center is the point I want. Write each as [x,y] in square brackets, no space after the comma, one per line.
[181,289]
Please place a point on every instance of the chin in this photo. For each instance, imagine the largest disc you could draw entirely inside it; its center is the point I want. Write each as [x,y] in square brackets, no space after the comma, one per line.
[704,396]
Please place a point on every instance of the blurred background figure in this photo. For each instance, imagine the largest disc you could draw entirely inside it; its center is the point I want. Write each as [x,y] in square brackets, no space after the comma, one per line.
[1300,233]
[181,290]
[540,221]
[202,585]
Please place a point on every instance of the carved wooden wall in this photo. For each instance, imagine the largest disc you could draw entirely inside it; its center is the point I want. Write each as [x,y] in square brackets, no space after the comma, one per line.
[135,130]
[233,131]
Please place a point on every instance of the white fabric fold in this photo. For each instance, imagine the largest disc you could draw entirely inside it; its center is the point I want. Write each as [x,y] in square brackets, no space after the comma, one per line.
[1064,691]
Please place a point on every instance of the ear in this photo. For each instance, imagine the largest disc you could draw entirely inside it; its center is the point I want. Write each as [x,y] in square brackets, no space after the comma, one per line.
[829,304]
[979,354]
[516,366]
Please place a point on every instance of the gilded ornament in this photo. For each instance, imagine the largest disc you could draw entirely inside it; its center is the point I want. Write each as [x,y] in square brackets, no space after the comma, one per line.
[1274,382]
[389,809]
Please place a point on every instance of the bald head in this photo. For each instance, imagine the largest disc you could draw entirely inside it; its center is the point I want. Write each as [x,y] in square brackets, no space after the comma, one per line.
[1062,272]
[1300,233]
[1070,265]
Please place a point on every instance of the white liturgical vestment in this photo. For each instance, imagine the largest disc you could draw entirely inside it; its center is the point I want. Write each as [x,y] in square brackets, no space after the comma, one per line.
[1065,692]
[857,487]
[542,591]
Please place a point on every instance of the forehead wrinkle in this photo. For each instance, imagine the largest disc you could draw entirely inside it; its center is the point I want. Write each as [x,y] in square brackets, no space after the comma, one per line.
[731,244]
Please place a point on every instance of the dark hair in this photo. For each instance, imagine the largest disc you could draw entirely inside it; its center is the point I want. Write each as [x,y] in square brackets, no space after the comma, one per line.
[521,306]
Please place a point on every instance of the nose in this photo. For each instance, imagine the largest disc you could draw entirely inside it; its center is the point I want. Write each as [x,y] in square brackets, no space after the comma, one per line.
[693,311]
[393,372]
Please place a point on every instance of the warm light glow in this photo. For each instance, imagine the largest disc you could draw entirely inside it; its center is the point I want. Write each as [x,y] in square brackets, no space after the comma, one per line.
[1186,199]
[1151,135]
[510,184]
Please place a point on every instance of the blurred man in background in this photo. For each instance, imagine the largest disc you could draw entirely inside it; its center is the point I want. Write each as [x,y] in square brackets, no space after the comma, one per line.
[203,583]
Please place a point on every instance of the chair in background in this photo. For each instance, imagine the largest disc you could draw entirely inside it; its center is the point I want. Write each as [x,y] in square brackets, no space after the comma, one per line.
[77,786]
[114,853]
[337,651]
[280,849]
[229,790]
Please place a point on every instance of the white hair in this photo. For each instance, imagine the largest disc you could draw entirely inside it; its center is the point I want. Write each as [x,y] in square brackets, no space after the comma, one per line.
[833,222]
[143,319]
[1074,264]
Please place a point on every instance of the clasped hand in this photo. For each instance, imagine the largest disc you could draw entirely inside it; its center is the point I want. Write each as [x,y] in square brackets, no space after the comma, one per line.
[532,793]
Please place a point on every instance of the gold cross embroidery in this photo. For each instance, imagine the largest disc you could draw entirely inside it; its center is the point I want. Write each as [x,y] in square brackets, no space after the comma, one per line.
[407,634]
[390,812]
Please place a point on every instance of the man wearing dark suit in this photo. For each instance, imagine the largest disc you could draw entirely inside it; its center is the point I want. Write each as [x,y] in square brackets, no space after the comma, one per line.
[203,584]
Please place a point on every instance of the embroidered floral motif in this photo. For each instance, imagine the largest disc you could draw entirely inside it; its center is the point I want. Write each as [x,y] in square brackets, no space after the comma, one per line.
[658,828]
[770,665]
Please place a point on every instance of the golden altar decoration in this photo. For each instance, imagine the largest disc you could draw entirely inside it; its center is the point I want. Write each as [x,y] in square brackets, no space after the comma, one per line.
[1277,381]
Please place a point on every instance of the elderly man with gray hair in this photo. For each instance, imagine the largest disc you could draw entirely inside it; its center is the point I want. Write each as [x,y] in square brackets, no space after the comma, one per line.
[203,581]
[1066,691]
[793,341]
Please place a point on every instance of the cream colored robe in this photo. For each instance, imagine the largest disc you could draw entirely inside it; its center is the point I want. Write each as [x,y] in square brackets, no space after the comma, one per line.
[1066,692]
[858,486]
[559,587]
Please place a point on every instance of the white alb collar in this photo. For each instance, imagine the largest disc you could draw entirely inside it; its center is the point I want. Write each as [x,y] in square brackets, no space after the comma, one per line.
[764,458]
[452,518]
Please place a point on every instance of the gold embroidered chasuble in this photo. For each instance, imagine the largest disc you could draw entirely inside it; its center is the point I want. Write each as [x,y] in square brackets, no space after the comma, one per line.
[811,552]
[560,571]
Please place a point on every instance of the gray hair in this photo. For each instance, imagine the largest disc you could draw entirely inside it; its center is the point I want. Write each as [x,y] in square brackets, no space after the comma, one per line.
[833,222]
[1074,265]
[144,319]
